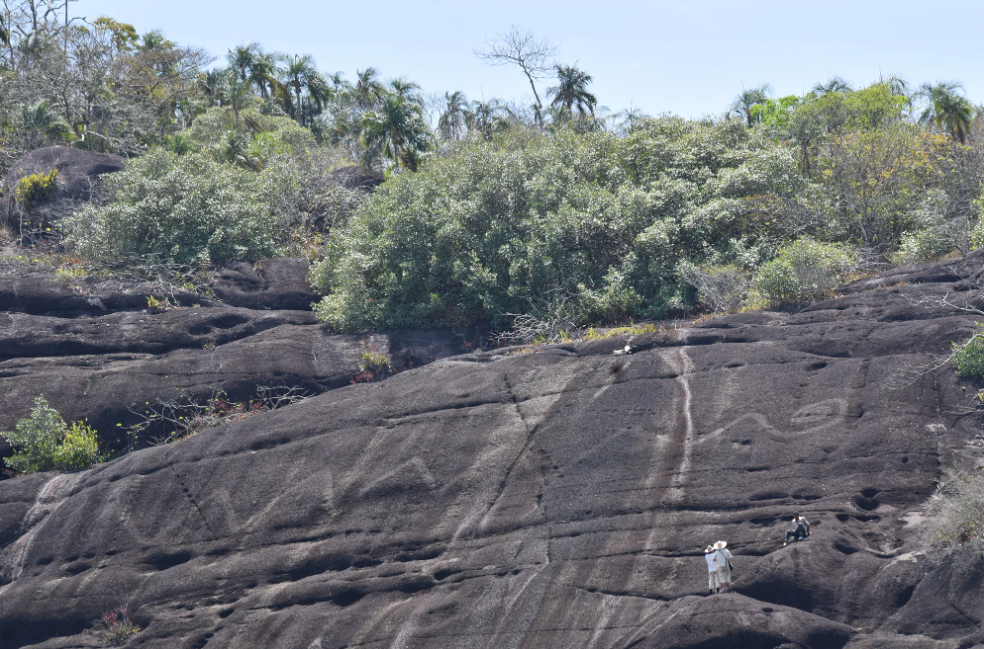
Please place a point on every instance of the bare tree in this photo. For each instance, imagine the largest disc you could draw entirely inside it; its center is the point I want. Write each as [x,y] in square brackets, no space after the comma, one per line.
[531,54]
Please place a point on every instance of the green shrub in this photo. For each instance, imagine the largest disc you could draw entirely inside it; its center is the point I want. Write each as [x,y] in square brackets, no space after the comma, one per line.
[187,208]
[968,357]
[923,245]
[521,224]
[45,443]
[804,270]
[37,189]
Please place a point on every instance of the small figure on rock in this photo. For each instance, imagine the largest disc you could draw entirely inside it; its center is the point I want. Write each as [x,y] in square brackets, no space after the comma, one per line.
[801,530]
[724,557]
[718,567]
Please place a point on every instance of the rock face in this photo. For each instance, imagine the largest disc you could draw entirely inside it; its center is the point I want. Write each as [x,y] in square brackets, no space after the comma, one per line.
[95,351]
[78,173]
[356,177]
[552,499]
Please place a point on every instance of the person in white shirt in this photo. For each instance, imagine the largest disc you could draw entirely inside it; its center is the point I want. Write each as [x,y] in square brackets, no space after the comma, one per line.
[801,530]
[723,560]
[712,569]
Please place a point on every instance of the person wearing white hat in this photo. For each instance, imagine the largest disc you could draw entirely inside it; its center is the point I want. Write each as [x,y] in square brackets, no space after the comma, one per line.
[713,563]
[723,560]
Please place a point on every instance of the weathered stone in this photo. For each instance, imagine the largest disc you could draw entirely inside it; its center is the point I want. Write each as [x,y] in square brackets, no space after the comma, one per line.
[553,499]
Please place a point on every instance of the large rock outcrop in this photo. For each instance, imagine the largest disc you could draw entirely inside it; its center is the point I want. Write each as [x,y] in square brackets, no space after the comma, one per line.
[96,352]
[552,499]
[78,176]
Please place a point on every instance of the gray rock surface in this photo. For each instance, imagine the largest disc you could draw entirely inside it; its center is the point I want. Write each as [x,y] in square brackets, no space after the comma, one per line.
[78,175]
[552,499]
[97,353]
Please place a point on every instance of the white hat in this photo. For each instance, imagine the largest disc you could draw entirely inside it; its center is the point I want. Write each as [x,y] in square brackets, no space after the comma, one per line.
[709,549]
[720,545]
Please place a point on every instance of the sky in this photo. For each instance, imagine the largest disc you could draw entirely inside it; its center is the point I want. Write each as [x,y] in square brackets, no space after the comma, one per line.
[688,57]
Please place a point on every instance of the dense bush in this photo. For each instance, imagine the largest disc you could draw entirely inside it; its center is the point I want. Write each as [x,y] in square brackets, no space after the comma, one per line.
[37,189]
[968,357]
[186,208]
[44,442]
[588,227]
[803,271]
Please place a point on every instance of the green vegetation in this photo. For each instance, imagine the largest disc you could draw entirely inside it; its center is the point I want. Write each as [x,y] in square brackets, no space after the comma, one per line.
[556,211]
[119,626]
[968,357]
[803,271]
[36,189]
[186,208]
[44,442]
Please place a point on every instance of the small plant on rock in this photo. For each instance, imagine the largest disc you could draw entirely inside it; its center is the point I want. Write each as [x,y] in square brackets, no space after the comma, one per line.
[172,420]
[44,442]
[374,365]
[119,627]
[957,510]
[36,189]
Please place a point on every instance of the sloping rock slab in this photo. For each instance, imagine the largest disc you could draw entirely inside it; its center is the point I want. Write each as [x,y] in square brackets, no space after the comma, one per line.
[551,500]
[268,284]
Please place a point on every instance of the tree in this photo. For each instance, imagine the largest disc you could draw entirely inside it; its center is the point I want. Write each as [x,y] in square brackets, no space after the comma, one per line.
[406,90]
[299,75]
[241,58]
[947,109]
[834,84]
[744,104]
[368,90]
[239,95]
[4,32]
[452,122]
[42,125]
[396,129]
[487,118]
[525,51]
[572,90]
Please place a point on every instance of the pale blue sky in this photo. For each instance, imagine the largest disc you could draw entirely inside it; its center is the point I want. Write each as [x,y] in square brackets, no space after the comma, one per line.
[689,57]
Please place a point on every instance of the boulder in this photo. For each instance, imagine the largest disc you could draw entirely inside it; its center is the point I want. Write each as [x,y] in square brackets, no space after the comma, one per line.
[78,176]
[552,498]
[77,169]
[356,177]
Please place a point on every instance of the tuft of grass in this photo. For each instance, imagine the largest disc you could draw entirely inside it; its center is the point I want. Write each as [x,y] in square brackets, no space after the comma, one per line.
[628,330]
[119,627]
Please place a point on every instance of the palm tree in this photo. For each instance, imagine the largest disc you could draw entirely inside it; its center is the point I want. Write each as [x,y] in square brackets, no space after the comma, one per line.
[42,124]
[748,99]
[572,90]
[241,59]
[214,85]
[452,121]
[396,129]
[947,109]
[299,75]
[834,84]
[338,83]
[263,75]
[368,88]
[406,90]
[239,95]
[487,118]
